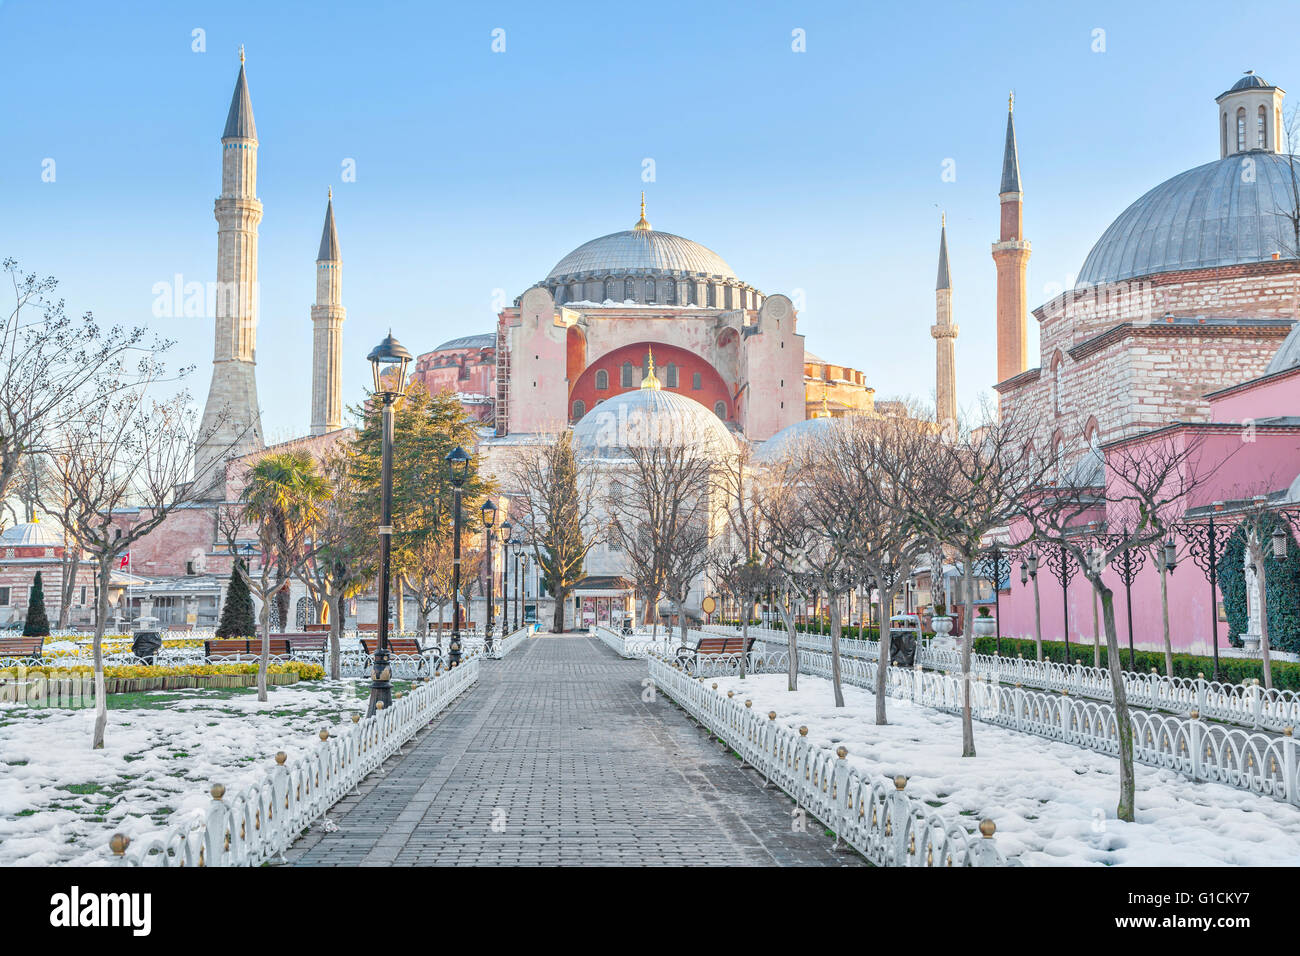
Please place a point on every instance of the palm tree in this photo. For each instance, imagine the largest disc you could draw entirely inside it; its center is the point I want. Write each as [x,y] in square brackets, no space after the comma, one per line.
[285,497]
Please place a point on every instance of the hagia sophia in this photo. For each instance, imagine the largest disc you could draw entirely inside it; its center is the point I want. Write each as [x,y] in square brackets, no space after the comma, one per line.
[1183,317]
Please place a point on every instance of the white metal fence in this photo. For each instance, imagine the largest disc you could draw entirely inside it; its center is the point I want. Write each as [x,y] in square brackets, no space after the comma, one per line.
[504,645]
[637,645]
[262,820]
[1247,705]
[875,817]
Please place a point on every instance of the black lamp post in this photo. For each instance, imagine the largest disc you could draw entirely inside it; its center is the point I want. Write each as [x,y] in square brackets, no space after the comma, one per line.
[995,563]
[388,361]
[1129,564]
[1207,545]
[521,562]
[489,511]
[506,528]
[1063,566]
[458,466]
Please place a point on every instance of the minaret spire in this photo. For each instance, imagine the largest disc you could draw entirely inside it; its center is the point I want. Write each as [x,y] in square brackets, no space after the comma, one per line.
[944,332]
[232,424]
[1011,256]
[327,317]
[642,225]
[650,382]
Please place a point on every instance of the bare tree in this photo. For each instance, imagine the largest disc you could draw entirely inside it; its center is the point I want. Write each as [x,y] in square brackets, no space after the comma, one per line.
[736,557]
[127,454]
[56,370]
[1144,487]
[785,539]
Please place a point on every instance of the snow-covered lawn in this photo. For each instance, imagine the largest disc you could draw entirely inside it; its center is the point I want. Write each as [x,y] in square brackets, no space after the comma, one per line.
[60,801]
[1054,804]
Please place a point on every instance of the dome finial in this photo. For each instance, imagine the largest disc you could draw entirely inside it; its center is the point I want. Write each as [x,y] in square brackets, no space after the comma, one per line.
[650,381]
[1011,101]
[641,224]
[241,54]
[824,411]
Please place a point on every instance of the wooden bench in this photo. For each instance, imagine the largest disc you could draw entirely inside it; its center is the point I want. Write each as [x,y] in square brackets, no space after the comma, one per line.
[711,644]
[28,648]
[240,648]
[397,646]
[317,628]
[307,644]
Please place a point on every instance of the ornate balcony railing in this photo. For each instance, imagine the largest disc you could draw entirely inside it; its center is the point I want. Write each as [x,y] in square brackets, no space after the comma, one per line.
[258,823]
[874,816]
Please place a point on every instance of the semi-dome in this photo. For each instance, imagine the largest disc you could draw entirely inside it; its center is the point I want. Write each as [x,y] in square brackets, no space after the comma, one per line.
[789,440]
[485,341]
[636,250]
[32,534]
[650,416]
[1225,213]
[1288,353]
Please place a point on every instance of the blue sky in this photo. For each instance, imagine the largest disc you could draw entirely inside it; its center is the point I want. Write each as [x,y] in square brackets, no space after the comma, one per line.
[476,171]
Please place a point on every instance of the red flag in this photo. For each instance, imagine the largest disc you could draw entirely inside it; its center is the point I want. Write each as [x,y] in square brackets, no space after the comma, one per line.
[126,561]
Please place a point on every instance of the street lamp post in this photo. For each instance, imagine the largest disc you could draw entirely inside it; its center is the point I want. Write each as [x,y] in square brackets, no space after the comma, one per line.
[1062,565]
[521,562]
[1207,546]
[489,511]
[458,466]
[1129,564]
[506,528]
[388,361]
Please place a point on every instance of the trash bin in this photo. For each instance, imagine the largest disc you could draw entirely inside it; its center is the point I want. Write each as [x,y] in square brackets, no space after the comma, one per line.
[902,648]
[146,645]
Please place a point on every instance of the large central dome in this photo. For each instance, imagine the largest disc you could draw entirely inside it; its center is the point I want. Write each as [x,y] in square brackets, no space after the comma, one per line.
[1225,213]
[641,249]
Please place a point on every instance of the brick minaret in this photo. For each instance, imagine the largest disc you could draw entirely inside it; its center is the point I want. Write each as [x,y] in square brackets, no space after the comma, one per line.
[327,317]
[231,423]
[1011,255]
[945,340]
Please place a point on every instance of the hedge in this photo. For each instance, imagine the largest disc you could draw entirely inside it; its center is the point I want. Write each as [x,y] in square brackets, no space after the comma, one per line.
[1235,670]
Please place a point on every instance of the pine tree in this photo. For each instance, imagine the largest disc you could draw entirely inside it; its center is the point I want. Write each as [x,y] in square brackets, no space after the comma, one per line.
[237,617]
[38,622]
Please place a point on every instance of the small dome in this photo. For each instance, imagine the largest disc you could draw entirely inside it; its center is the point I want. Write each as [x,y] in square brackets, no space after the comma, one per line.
[641,249]
[487,340]
[647,416]
[1210,216]
[790,439]
[1250,82]
[32,534]
[1288,353]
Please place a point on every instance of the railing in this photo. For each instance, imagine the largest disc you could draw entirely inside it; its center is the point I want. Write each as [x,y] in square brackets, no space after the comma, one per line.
[637,645]
[875,817]
[262,820]
[503,646]
[1246,705]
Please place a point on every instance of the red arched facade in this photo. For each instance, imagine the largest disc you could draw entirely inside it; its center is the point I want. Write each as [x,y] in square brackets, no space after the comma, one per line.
[689,369]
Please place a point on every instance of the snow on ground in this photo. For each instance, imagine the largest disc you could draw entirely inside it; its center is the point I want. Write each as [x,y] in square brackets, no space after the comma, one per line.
[1053,803]
[60,801]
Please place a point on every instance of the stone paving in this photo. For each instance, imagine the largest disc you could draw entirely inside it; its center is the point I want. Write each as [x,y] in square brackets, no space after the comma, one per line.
[554,758]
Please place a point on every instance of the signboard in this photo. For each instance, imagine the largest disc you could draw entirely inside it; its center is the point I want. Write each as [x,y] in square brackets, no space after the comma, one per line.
[709,605]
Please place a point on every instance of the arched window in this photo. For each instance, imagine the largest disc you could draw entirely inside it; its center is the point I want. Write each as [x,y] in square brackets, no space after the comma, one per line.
[602,380]
[670,292]
[1223,134]
[628,291]
[1057,361]
[712,295]
[670,375]
[1261,136]
[649,290]
[1241,129]
[610,289]
[697,381]
[629,373]
[720,409]
[579,409]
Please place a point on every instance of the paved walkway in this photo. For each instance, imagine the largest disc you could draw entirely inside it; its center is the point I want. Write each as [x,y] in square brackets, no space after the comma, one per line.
[553,758]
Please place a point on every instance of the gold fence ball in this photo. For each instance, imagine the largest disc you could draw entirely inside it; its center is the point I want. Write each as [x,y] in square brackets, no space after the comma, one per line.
[118,843]
[841,751]
[715,685]
[1288,731]
[749,703]
[324,734]
[379,705]
[771,715]
[900,782]
[281,757]
[988,828]
[1200,675]
[218,791]
[1195,715]
[1154,671]
[1255,682]
[803,731]
[731,693]
[355,718]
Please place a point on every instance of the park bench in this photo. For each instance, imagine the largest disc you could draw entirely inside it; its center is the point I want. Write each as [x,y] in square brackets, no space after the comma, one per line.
[401,648]
[317,628]
[712,644]
[240,648]
[27,648]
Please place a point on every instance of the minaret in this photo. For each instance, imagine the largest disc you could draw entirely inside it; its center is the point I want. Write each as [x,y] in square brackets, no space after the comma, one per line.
[327,317]
[945,339]
[231,424]
[1011,255]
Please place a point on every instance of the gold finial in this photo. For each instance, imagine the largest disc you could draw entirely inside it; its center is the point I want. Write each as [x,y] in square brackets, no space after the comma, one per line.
[943,220]
[641,224]
[650,381]
[329,191]
[824,411]
[241,54]
[1011,101]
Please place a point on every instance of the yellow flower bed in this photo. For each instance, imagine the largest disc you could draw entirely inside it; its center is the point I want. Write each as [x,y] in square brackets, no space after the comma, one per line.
[115,644]
[305,671]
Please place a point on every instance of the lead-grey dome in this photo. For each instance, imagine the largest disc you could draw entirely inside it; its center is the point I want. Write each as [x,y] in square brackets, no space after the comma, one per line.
[41,534]
[634,250]
[486,340]
[1250,82]
[649,416]
[1225,213]
[792,439]
[1288,353]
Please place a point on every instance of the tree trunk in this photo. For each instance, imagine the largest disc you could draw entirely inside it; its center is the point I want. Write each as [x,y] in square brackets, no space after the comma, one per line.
[400,597]
[101,618]
[835,650]
[265,616]
[747,609]
[792,661]
[71,561]
[442,616]
[1038,621]
[1257,558]
[1096,635]
[1123,723]
[336,636]
[557,620]
[967,639]
[1164,615]
[882,668]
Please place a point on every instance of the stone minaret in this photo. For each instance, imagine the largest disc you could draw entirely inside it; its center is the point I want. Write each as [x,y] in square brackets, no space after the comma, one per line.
[945,340]
[231,423]
[327,317]
[1011,255]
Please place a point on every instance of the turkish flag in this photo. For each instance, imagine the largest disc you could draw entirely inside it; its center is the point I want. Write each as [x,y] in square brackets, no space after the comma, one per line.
[126,561]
